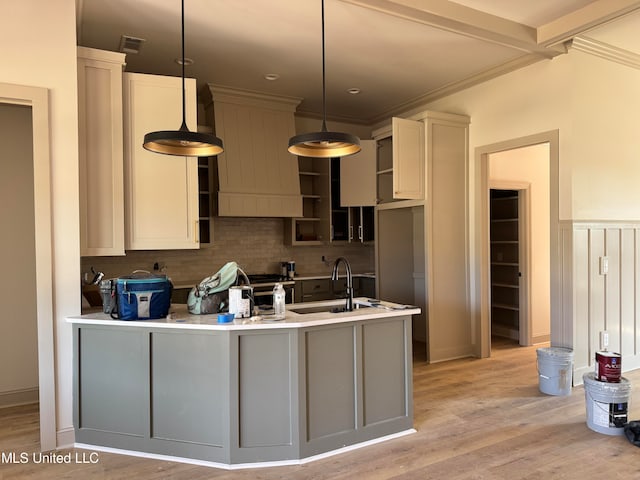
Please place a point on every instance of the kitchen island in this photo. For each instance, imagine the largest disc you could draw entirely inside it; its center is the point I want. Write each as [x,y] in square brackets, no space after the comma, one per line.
[244,393]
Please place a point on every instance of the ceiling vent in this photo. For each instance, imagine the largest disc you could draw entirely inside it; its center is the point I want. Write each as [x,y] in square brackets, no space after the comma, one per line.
[130,44]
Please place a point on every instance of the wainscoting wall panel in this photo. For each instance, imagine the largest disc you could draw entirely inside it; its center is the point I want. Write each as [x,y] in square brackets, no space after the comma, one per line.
[604,281]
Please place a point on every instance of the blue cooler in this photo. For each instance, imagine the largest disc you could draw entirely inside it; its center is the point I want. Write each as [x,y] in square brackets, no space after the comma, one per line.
[142,297]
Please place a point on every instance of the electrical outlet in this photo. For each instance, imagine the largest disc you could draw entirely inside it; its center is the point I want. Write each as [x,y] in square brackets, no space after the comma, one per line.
[604,340]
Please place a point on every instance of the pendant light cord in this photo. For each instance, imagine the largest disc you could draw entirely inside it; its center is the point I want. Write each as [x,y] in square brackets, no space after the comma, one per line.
[324,94]
[184,116]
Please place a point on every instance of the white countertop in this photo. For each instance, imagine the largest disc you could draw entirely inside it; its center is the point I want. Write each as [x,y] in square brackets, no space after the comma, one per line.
[180,318]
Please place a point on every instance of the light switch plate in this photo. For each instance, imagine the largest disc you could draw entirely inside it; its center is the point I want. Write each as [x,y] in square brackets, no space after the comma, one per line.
[604,265]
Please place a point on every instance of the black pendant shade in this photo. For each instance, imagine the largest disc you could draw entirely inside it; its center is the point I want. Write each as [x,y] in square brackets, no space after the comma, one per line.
[324,144]
[183,142]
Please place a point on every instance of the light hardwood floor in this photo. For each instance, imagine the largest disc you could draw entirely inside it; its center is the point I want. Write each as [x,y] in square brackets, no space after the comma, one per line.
[475,419]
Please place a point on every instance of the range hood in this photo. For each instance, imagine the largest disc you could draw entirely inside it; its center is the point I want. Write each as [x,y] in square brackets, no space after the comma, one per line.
[257,176]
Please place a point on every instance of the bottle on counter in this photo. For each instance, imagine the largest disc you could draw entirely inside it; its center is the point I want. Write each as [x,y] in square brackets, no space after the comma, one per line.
[278,300]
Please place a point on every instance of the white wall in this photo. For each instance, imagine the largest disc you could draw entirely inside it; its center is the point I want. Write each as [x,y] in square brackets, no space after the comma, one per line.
[592,102]
[38,48]
[18,332]
[531,165]
[604,158]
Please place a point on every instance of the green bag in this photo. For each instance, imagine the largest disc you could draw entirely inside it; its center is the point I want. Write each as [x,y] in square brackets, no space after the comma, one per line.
[211,295]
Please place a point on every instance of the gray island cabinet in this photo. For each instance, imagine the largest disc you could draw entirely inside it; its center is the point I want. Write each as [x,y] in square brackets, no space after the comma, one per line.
[244,392]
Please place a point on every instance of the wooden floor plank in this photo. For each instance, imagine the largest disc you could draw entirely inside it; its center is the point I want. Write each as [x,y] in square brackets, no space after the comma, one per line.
[477,419]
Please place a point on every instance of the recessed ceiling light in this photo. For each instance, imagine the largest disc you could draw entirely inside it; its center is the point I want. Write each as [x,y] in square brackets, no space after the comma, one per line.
[271,76]
[353,90]
[186,61]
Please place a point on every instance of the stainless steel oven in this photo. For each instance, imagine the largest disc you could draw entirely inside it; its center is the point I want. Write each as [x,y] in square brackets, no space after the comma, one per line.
[263,288]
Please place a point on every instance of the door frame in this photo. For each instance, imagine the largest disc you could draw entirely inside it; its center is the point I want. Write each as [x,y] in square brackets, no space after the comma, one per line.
[482,320]
[524,255]
[38,99]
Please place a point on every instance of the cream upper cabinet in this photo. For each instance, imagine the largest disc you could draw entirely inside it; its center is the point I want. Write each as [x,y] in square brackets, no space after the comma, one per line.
[358,177]
[161,191]
[408,159]
[257,176]
[400,161]
[100,152]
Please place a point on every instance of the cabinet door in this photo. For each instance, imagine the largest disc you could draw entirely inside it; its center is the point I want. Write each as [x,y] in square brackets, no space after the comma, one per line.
[161,191]
[361,224]
[339,214]
[100,152]
[358,177]
[408,159]
[367,287]
[189,377]
[111,375]
[315,290]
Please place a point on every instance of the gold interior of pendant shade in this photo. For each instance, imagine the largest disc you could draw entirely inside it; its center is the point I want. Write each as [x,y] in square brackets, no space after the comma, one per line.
[183,142]
[324,144]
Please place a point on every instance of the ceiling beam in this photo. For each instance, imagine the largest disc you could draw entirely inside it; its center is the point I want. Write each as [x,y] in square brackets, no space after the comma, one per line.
[584,19]
[452,17]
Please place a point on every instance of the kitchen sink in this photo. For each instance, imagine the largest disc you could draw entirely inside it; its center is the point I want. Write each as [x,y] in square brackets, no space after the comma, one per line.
[325,308]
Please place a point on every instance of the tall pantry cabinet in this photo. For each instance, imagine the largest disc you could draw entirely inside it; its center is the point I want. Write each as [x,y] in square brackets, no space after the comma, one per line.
[161,191]
[421,227]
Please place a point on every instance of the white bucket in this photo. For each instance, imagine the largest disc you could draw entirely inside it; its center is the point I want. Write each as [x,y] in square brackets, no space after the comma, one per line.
[555,367]
[607,404]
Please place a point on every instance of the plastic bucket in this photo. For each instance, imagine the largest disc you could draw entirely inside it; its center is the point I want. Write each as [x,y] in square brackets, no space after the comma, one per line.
[555,367]
[607,404]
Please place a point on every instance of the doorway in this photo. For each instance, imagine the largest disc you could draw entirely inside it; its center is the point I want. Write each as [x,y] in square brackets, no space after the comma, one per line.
[33,102]
[500,167]
[508,237]
[18,329]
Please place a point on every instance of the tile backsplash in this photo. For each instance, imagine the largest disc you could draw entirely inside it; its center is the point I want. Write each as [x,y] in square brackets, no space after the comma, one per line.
[256,244]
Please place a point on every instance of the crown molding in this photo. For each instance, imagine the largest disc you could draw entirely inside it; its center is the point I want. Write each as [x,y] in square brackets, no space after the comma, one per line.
[606,51]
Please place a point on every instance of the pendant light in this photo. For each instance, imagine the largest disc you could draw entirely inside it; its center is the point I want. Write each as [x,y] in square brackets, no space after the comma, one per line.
[324,144]
[183,142]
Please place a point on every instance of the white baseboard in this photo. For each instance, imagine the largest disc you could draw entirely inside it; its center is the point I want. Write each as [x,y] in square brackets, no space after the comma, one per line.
[19,397]
[538,339]
[240,466]
[65,438]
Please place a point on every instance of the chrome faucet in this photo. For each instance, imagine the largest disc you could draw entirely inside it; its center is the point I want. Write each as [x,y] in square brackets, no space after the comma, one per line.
[334,276]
